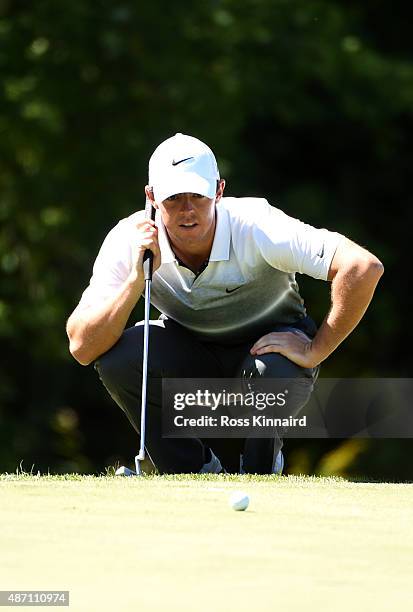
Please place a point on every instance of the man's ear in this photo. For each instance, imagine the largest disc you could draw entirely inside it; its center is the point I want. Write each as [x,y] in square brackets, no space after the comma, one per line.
[150,196]
[220,189]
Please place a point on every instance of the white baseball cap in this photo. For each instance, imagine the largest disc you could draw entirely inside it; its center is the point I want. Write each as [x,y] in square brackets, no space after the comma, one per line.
[183,164]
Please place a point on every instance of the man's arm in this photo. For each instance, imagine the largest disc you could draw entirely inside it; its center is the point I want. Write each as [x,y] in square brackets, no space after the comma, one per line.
[93,330]
[354,273]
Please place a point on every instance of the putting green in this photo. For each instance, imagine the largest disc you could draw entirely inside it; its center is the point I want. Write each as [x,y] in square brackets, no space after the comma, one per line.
[173,543]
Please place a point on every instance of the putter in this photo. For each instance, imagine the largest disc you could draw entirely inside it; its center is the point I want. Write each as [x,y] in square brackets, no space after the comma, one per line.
[147,270]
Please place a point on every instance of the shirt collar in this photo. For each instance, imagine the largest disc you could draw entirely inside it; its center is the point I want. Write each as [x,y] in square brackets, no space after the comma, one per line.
[222,239]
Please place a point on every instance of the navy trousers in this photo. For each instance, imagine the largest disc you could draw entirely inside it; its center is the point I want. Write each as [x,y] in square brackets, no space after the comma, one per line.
[174,352]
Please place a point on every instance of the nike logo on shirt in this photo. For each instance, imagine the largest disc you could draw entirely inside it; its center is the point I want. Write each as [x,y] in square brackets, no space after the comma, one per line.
[231,290]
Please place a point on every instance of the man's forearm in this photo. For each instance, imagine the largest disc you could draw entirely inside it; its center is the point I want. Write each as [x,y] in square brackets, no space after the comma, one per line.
[351,292]
[95,330]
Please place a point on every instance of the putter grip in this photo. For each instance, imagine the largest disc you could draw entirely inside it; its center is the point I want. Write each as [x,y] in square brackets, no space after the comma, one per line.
[148,255]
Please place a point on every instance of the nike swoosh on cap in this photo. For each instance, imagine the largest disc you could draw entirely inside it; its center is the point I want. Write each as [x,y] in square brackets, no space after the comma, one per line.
[175,163]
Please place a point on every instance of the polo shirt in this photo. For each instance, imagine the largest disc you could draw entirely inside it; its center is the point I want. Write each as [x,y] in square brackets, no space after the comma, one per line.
[247,287]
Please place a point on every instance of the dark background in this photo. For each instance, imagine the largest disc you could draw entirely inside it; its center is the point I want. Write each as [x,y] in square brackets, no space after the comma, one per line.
[309,104]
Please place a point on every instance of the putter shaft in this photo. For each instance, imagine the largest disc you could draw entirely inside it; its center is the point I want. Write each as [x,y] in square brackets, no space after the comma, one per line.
[141,454]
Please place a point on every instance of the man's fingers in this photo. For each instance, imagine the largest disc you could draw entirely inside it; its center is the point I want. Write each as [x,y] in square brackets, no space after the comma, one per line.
[149,231]
[276,341]
[269,348]
[294,346]
[272,338]
[148,243]
[145,223]
[146,229]
[150,234]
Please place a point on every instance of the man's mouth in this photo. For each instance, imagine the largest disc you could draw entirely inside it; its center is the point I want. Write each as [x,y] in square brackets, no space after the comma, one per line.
[189,225]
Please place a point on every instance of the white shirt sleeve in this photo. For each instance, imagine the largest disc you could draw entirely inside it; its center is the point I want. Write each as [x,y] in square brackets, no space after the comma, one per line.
[111,268]
[290,245]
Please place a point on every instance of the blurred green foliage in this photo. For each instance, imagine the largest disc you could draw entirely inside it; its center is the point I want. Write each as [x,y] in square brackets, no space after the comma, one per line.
[308,103]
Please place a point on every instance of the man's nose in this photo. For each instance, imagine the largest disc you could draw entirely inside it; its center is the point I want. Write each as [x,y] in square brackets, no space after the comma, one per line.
[187,203]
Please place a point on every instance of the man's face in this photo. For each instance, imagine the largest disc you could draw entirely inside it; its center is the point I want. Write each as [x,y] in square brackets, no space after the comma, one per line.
[189,218]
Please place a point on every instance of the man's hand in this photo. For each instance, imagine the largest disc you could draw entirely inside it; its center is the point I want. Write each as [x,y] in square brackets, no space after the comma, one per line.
[147,238]
[294,345]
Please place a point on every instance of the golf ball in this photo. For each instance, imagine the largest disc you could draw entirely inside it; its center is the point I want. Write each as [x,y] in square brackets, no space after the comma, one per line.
[239,500]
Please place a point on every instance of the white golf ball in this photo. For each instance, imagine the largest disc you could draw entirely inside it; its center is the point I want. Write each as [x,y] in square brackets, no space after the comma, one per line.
[239,500]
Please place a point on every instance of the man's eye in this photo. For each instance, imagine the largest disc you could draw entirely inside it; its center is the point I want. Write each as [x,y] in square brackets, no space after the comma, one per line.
[177,196]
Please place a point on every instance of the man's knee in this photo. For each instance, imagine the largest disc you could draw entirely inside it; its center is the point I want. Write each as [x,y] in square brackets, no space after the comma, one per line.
[109,366]
[120,361]
[258,371]
[272,365]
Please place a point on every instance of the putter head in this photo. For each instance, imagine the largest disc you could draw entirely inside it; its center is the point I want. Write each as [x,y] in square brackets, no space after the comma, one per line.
[124,471]
[138,465]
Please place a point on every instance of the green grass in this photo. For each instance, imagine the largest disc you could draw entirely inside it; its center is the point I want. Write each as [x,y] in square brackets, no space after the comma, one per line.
[173,543]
